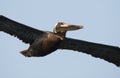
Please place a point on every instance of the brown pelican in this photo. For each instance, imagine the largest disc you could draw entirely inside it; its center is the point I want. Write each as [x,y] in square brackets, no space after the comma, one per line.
[43,43]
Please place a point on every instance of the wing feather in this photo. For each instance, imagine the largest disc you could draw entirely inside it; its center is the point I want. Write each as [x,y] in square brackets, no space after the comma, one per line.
[25,33]
[106,52]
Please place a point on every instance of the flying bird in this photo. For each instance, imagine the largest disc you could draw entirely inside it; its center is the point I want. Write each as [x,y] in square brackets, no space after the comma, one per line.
[43,43]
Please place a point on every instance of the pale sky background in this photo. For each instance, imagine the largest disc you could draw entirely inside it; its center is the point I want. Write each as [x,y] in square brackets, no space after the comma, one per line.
[101,19]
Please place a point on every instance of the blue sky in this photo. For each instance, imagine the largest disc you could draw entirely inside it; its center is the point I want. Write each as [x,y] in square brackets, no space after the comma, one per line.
[101,21]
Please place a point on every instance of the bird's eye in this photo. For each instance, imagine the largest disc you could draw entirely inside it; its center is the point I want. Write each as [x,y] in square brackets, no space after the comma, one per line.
[61,23]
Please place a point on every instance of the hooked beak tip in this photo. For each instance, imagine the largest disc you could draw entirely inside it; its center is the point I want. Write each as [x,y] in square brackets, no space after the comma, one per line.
[81,27]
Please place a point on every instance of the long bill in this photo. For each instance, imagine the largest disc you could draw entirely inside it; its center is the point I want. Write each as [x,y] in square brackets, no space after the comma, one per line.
[69,27]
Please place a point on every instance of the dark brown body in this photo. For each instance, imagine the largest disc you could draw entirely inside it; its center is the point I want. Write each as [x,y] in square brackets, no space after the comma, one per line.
[44,45]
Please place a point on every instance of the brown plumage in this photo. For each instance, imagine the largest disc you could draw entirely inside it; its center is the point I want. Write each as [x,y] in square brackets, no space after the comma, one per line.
[43,43]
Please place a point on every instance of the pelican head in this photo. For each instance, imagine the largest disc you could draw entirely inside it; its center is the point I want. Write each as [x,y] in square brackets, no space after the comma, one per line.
[62,28]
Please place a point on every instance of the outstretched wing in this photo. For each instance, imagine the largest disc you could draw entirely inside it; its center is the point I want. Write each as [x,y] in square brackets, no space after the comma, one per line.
[23,32]
[106,52]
